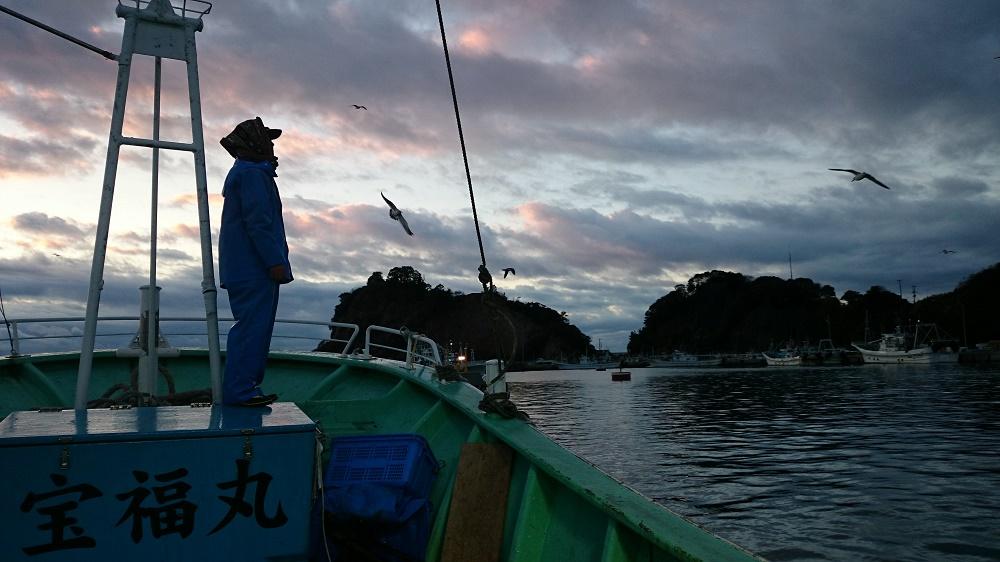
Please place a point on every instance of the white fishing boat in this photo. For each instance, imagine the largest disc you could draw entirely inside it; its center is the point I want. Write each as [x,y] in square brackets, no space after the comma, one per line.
[783,358]
[682,359]
[899,347]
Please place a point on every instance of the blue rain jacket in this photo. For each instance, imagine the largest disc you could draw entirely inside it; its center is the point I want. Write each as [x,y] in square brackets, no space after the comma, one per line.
[252,236]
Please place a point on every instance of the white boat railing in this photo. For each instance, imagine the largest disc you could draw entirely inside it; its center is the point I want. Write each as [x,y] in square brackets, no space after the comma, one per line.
[415,348]
[15,338]
[410,351]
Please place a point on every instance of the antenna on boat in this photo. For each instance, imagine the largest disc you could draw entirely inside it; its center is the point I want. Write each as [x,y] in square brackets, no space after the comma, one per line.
[154,28]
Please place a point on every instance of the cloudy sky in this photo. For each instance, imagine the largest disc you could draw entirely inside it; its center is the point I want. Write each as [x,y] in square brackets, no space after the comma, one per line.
[616,148]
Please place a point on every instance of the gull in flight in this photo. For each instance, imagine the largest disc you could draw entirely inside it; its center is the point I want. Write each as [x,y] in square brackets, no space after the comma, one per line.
[356,106]
[858,176]
[509,270]
[946,252]
[397,215]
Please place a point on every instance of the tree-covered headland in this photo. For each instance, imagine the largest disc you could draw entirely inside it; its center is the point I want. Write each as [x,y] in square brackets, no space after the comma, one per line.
[722,311]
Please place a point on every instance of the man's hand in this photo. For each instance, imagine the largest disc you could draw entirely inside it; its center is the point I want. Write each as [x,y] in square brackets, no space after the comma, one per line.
[278,273]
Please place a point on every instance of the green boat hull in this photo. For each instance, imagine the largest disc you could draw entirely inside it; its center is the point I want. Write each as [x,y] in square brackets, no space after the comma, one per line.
[559,507]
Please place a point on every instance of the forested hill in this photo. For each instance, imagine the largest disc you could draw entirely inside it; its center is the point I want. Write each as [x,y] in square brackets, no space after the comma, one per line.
[731,312]
[524,330]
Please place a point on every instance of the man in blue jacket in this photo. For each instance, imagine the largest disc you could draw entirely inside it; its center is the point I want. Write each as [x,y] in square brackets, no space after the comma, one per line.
[253,259]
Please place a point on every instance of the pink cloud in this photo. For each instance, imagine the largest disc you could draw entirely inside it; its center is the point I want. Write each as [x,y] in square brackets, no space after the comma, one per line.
[40,230]
[583,238]
[183,231]
[475,40]
[215,200]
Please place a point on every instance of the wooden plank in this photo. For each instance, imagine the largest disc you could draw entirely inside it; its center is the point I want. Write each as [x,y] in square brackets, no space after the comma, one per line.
[478,504]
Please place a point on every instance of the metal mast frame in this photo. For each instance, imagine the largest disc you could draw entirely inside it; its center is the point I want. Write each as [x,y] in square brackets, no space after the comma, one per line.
[154,28]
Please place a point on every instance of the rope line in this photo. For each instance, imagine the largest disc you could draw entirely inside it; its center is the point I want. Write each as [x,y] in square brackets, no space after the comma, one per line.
[499,403]
[10,335]
[461,136]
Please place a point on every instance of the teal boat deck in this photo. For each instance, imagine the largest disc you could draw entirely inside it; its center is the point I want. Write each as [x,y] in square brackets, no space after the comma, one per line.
[560,507]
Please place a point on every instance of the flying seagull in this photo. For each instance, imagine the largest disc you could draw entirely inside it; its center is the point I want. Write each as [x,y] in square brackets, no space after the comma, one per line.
[507,270]
[858,176]
[356,106]
[946,252]
[397,215]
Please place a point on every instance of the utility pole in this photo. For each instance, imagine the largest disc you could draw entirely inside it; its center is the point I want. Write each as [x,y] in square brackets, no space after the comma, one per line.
[914,294]
[790,275]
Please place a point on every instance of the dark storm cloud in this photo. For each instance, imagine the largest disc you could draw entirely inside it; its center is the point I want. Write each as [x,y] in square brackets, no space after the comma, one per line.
[42,157]
[771,62]
[613,189]
[960,187]
[874,75]
[635,144]
[43,224]
[843,236]
[47,61]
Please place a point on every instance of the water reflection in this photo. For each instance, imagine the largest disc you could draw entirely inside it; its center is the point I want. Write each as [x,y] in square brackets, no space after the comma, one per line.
[858,463]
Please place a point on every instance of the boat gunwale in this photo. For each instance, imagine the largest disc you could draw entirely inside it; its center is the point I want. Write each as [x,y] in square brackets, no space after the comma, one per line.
[525,437]
[616,500]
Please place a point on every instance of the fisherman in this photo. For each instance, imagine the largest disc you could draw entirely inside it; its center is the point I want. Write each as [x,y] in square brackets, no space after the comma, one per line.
[253,259]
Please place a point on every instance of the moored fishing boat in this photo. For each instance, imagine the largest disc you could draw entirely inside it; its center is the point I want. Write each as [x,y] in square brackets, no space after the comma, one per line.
[681,359]
[900,347]
[127,453]
[783,358]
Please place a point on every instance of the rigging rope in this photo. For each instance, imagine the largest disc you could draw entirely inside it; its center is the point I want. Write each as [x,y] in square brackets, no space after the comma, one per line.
[498,402]
[461,138]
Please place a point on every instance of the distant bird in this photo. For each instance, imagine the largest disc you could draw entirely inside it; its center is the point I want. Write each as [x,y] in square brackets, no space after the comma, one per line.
[397,215]
[858,176]
[57,255]
[485,278]
[507,270]
[356,106]
[946,252]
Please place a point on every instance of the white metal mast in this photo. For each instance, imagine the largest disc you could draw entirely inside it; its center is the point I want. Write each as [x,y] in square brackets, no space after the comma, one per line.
[154,28]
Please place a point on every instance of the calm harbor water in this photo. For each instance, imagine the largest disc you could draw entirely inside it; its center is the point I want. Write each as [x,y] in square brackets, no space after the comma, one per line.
[844,463]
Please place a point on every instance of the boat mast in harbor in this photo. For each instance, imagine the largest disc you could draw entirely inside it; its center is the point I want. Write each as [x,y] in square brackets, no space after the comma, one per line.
[156,30]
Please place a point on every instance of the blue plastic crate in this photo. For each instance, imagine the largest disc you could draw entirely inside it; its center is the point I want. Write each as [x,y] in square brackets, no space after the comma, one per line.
[399,460]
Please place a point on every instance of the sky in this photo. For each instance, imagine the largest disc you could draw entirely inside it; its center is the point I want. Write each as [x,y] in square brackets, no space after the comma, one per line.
[615,148]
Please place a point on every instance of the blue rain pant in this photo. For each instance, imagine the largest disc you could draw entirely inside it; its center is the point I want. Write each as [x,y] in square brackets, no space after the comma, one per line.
[254,304]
